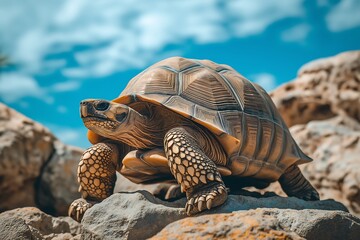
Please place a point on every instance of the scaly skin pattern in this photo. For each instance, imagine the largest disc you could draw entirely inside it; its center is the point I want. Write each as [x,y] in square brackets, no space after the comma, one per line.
[96,175]
[194,171]
[295,184]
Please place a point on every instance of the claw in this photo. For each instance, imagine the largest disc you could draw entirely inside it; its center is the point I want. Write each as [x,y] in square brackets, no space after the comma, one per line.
[213,194]
[71,208]
[206,199]
[77,215]
[218,178]
[188,209]
[209,203]
[200,205]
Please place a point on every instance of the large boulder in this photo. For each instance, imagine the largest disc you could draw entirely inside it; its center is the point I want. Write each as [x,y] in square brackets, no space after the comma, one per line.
[25,146]
[334,144]
[323,107]
[139,215]
[266,223]
[324,88]
[35,168]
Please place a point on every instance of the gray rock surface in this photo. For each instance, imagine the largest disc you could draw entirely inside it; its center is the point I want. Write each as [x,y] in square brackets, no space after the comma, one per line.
[139,215]
[31,223]
[57,186]
[266,223]
[129,216]
[12,227]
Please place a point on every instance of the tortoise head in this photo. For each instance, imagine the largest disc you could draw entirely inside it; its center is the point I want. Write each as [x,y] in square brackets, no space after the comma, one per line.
[105,118]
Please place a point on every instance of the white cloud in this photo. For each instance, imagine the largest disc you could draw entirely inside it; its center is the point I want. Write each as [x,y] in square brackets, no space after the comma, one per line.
[14,86]
[297,33]
[344,16]
[265,80]
[65,86]
[126,34]
[253,17]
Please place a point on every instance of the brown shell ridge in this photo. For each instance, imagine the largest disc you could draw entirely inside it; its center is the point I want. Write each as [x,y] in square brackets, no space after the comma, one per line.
[284,141]
[177,71]
[273,130]
[259,142]
[264,100]
[216,70]
[253,115]
[167,68]
[241,104]
[272,137]
[243,133]
[205,87]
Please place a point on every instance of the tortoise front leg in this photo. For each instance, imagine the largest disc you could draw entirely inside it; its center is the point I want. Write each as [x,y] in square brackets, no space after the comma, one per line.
[194,171]
[96,175]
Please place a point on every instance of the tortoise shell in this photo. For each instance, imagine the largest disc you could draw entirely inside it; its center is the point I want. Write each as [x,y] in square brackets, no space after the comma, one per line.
[238,112]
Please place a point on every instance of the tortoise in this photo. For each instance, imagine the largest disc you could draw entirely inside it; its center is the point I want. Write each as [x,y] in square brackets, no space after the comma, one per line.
[195,122]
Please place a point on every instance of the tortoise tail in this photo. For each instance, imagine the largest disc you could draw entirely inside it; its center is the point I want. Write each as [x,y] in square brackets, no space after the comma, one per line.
[295,184]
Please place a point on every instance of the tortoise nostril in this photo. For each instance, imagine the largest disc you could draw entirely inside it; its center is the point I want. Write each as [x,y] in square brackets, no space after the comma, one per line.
[102,105]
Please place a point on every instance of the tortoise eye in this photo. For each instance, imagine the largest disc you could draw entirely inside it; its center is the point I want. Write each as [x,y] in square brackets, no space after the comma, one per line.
[120,117]
[101,106]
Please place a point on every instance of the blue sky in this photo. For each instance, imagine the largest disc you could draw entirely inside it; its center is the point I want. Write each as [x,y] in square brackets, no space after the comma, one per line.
[65,51]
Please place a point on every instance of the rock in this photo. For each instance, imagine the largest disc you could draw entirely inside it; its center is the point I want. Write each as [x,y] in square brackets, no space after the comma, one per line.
[334,144]
[25,146]
[31,223]
[14,228]
[35,168]
[263,223]
[129,216]
[324,101]
[324,88]
[58,186]
[139,215]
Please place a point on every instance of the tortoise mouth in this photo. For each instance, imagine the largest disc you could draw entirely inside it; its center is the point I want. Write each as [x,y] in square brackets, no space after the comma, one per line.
[96,122]
[95,118]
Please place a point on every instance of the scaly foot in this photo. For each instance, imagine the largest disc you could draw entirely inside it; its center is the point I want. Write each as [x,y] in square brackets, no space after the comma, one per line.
[207,196]
[78,208]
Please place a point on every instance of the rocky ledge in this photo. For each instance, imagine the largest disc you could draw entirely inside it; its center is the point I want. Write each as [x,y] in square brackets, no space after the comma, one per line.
[321,106]
[139,215]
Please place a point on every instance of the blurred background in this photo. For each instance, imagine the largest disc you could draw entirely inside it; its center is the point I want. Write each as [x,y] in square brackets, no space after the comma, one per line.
[56,53]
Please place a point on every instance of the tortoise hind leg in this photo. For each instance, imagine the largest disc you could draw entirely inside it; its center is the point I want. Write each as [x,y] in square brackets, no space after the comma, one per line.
[295,184]
[194,171]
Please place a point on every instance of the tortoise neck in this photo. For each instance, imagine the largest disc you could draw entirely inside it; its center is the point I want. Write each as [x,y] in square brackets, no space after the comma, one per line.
[141,131]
